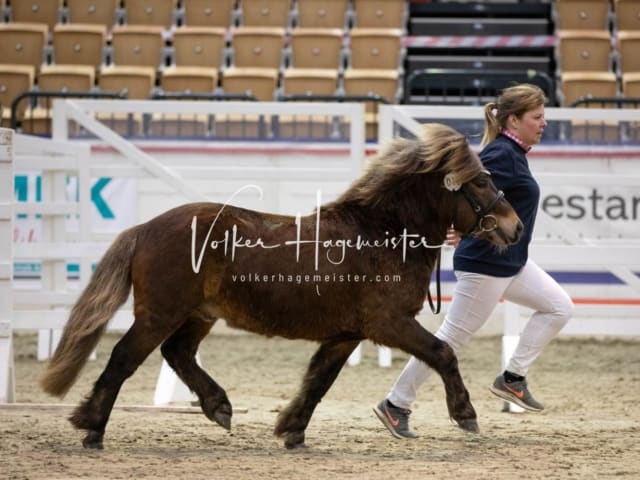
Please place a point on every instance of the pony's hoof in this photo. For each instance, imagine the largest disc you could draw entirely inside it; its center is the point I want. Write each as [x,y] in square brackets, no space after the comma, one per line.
[93,440]
[222,416]
[469,425]
[297,446]
[219,412]
[294,440]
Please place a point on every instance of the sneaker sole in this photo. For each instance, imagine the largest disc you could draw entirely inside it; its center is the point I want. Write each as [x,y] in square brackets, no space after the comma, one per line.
[512,398]
[385,421]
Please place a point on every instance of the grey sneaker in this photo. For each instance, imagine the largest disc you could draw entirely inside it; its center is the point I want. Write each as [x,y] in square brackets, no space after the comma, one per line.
[396,419]
[516,392]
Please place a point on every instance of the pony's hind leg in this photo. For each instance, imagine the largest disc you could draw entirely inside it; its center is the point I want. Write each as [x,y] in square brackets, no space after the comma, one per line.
[323,369]
[180,352]
[133,348]
[412,338]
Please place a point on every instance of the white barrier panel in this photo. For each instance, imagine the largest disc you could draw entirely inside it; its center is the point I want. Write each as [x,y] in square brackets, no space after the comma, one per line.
[7,375]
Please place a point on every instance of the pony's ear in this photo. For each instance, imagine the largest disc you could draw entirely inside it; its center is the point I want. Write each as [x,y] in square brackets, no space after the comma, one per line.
[451,183]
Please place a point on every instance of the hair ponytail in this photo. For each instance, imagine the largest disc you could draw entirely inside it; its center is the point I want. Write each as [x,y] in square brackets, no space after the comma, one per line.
[492,127]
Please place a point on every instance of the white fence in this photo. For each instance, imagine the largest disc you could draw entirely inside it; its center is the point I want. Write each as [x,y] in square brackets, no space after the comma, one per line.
[46,309]
[6,265]
[45,305]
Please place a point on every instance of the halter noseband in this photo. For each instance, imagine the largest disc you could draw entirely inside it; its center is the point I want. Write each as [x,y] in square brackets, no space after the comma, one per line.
[486,221]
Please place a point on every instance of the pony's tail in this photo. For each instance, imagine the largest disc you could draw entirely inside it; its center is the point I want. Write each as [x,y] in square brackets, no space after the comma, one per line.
[106,292]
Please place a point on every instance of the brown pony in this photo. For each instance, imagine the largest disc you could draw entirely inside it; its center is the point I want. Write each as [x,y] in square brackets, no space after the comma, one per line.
[357,268]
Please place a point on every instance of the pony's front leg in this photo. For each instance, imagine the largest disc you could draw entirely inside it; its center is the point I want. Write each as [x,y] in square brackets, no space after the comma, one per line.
[408,335]
[323,369]
[180,352]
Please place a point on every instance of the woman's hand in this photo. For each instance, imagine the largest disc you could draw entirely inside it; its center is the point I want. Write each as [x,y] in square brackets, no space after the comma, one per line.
[453,237]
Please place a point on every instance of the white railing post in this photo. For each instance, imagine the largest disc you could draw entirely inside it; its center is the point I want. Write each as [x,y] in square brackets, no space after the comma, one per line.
[53,272]
[7,376]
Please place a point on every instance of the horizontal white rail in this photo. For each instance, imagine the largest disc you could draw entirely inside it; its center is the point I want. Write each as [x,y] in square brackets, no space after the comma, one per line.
[582,255]
[477,113]
[56,319]
[46,250]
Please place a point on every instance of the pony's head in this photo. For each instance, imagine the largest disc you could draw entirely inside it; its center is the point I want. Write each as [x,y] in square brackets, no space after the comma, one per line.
[430,182]
[475,206]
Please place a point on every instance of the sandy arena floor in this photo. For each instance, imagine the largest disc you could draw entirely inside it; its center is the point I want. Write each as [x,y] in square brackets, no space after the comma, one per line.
[590,429]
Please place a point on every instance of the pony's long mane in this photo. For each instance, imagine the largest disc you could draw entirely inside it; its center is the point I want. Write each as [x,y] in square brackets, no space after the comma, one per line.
[439,148]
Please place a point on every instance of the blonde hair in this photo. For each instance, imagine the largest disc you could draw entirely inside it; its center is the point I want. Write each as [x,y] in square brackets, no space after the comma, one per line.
[514,100]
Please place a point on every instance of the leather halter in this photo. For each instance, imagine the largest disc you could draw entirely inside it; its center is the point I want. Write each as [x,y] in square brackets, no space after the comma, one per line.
[486,223]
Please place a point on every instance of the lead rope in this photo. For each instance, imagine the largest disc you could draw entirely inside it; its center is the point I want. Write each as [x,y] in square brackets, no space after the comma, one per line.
[436,309]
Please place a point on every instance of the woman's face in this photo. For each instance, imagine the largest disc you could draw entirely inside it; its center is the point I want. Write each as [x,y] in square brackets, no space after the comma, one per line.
[530,126]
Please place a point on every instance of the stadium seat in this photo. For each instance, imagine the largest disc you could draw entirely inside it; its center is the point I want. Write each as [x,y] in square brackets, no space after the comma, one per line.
[265,13]
[257,82]
[304,82]
[189,79]
[56,78]
[23,43]
[582,14]
[631,85]
[208,13]
[184,80]
[76,78]
[199,46]
[150,12]
[260,47]
[360,82]
[379,13]
[627,14]
[577,85]
[310,81]
[138,83]
[36,11]
[375,48]
[93,12]
[322,13]
[79,44]
[14,80]
[629,51]
[584,50]
[260,83]
[138,45]
[316,47]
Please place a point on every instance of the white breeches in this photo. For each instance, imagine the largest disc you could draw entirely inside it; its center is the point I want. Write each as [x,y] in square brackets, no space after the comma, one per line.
[474,298]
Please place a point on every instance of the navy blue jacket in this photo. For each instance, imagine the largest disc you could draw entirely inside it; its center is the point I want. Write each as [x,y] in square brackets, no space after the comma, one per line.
[509,168]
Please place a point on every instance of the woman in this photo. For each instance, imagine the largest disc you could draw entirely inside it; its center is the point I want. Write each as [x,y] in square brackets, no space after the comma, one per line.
[485,275]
